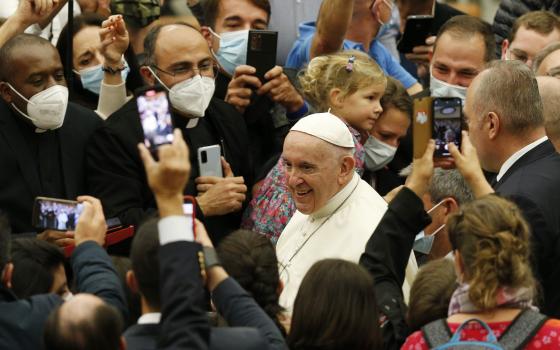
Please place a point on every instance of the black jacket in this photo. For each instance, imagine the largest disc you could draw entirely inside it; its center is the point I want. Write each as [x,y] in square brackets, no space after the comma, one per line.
[22,321]
[386,257]
[117,175]
[533,183]
[184,322]
[510,10]
[20,172]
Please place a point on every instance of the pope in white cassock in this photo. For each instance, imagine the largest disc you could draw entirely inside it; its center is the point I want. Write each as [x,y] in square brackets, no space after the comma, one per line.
[337,211]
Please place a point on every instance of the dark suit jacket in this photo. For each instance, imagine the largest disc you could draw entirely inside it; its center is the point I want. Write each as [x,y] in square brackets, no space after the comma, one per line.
[116,172]
[184,324]
[386,257]
[533,183]
[19,174]
[22,321]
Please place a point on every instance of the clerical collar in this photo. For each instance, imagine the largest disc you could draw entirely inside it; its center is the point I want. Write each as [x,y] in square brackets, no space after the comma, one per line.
[335,202]
[192,123]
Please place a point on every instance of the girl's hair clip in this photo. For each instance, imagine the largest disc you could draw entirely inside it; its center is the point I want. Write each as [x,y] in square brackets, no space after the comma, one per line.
[350,64]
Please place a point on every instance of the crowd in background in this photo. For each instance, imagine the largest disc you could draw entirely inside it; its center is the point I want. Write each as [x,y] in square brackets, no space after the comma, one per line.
[338,222]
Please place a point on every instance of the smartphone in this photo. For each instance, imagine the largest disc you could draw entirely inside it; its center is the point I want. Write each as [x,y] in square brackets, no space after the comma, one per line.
[447,124]
[261,51]
[189,208]
[56,214]
[155,117]
[209,161]
[416,30]
[421,125]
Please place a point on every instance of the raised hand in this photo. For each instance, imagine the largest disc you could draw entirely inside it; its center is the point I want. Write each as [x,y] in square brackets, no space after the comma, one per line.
[114,40]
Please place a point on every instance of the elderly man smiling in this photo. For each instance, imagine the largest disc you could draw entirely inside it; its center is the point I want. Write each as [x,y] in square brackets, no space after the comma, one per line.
[336,211]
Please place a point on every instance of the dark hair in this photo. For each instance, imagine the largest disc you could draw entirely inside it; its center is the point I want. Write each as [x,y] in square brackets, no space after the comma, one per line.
[465,26]
[100,331]
[431,292]
[542,22]
[151,38]
[6,51]
[492,237]
[34,264]
[81,95]
[145,261]
[5,240]
[212,7]
[335,308]
[251,260]
[395,96]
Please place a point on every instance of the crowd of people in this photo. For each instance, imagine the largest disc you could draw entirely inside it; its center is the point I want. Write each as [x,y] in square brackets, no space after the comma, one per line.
[333,226]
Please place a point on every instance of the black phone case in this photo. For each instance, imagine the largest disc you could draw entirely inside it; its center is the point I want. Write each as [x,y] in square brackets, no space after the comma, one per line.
[416,32]
[261,51]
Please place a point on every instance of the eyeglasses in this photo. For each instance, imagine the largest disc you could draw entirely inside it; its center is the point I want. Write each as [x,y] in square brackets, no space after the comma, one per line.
[208,69]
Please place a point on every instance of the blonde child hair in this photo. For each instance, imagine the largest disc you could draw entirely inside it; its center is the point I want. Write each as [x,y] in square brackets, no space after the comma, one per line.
[348,71]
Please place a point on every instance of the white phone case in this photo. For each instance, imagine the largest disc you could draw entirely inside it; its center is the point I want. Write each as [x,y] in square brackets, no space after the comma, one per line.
[211,164]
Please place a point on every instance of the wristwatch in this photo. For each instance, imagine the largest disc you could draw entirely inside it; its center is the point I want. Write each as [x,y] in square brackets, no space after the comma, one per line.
[210,257]
[112,70]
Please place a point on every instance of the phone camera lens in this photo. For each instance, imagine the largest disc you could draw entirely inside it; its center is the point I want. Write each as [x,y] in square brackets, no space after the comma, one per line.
[204,156]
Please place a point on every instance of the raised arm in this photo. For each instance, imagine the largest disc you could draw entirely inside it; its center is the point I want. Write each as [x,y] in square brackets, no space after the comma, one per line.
[332,24]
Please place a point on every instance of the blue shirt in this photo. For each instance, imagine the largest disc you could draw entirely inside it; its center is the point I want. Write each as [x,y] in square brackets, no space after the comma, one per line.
[300,53]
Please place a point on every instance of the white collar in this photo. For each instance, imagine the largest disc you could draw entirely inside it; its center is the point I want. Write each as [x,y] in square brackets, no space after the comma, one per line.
[193,122]
[150,318]
[336,201]
[517,155]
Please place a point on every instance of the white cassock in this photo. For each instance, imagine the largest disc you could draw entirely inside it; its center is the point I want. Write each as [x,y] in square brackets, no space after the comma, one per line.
[340,230]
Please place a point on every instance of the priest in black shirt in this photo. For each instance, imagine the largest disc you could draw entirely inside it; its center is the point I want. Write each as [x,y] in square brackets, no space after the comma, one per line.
[177,57]
[42,135]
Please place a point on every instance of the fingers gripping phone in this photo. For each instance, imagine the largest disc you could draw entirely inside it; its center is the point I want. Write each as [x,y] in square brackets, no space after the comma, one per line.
[261,51]
[447,124]
[155,117]
[417,29]
[56,214]
[210,161]
[189,208]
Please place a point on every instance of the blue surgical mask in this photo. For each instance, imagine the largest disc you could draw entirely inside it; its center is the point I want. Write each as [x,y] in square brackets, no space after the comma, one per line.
[92,77]
[423,243]
[233,49]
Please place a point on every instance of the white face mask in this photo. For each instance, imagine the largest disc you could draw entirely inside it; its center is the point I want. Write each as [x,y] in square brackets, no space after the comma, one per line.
[233,49]
[191,96]
[440,88]
[423,243]
[378,154]
[46,109]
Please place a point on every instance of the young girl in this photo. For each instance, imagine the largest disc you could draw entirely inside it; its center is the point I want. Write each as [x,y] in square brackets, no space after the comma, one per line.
[348,84]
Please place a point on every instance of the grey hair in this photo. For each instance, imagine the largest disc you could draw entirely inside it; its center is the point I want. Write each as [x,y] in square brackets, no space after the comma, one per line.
[509,89]
[444,184]
[543,54]
[549,88]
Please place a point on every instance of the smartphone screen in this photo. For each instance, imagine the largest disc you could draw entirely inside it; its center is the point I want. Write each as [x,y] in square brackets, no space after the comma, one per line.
[56,214]
[447,124]
[153,107]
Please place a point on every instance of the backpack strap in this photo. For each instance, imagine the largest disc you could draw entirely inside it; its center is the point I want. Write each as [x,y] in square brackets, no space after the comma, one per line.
[436,333]
[522,329]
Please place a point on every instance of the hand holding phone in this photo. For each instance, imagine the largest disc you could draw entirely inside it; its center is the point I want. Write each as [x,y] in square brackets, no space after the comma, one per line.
[261,51]
[417,29]
[210,161]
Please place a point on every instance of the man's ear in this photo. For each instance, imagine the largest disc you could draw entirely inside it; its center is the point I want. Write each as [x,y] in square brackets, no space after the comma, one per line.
[7,275]
[493,125]
[450,206]
[336,99]
[122,343]
[131,281]
[6,92]
[147,75]
[505,46]
[213,42]
[346,168]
